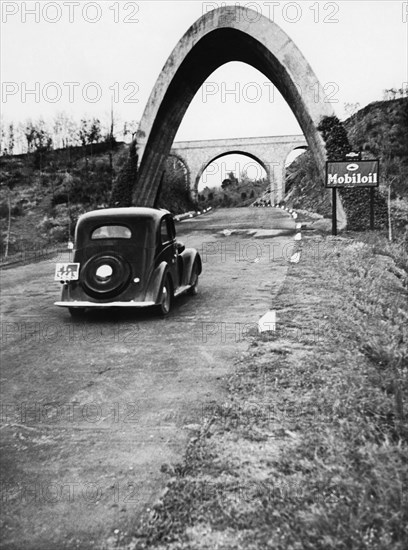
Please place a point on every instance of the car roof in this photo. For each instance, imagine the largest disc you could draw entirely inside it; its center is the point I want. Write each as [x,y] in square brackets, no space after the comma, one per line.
[126,213]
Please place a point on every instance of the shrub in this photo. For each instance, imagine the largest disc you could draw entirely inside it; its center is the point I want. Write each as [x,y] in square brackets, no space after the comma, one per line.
[122,190]
[399,214]
[17,209]
[174,193]
[59,198]
[4,210]
[356,202]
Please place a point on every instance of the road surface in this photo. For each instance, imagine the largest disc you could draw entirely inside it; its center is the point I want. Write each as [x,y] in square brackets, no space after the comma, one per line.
[91,410]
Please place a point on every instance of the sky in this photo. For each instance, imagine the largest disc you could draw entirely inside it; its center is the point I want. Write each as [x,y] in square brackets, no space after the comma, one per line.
[80,56]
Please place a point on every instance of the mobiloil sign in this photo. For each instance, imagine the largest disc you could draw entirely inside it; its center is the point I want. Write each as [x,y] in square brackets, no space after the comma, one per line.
[362,173]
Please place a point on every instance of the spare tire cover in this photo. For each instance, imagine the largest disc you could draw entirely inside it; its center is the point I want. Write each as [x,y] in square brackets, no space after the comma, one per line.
[105,275]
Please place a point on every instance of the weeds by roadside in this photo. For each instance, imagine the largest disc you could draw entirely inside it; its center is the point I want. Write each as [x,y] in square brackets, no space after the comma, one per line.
[310,448]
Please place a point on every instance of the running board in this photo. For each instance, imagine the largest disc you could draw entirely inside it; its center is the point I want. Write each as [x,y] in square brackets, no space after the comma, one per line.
[181,290]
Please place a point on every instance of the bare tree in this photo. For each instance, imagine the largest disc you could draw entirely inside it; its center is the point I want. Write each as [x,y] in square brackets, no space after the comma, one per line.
[8,224]
[3,139]
[129,129]
[11,139]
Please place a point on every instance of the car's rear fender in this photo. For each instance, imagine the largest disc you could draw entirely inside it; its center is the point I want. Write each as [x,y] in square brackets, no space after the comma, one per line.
[190,256]
[155,282]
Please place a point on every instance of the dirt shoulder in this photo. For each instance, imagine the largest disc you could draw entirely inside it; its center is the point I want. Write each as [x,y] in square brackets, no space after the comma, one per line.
[309,448]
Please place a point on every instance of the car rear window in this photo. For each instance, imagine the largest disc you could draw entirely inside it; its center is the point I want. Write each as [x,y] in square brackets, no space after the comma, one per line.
[111,232]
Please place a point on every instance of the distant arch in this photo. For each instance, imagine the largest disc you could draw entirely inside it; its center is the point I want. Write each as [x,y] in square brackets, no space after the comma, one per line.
[269,151]
[229,33]
[299,148]
[221,155]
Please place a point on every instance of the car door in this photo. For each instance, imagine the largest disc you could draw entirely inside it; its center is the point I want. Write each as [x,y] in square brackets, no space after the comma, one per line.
[168,248]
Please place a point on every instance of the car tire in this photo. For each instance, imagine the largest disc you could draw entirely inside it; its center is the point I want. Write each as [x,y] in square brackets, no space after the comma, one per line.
[76,312]
[193,290]
[166,297]
[114,285]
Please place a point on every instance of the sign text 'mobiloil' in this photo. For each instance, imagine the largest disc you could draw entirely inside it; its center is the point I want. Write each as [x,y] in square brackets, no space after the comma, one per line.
[352,174]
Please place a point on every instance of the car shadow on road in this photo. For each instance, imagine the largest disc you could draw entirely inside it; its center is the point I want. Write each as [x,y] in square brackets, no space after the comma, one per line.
[146,314]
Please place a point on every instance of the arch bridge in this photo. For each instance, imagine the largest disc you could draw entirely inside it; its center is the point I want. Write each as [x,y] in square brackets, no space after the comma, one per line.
[227,33]
[270,152]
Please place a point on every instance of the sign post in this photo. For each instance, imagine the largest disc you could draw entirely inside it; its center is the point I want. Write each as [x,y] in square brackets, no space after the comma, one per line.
[372,208]
[352,174]
[334,212]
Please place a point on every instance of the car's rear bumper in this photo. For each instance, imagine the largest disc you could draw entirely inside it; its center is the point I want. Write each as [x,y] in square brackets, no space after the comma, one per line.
[81,303]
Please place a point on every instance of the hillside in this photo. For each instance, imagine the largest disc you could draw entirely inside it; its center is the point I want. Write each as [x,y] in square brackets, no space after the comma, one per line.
[46,192]
[380,131]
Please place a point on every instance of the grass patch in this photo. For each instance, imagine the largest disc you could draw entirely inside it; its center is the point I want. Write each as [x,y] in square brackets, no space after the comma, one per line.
[309,450]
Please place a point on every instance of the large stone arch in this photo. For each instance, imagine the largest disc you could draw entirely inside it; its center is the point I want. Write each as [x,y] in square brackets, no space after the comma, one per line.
[229,33]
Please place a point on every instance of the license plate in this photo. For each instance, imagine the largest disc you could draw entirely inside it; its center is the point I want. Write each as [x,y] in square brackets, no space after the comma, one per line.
[66,272]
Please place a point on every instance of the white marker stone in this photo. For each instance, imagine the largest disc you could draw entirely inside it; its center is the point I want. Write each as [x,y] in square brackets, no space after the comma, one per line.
[294,259]
[294,215]
[298,237]
[298,226]
[267,323]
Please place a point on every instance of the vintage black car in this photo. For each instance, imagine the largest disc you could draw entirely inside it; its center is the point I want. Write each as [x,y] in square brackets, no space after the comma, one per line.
[127,257]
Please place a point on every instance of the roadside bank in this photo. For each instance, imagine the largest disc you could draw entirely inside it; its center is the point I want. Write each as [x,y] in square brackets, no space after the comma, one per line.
[310,449]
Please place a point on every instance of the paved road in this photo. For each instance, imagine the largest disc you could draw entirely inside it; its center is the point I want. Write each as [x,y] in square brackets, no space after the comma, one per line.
[92,409]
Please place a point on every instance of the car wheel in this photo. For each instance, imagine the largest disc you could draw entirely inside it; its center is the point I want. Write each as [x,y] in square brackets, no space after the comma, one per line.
[193,290]
[76,312]
[166,297]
